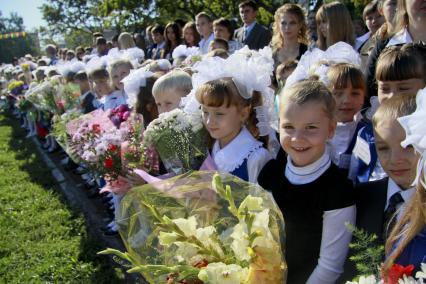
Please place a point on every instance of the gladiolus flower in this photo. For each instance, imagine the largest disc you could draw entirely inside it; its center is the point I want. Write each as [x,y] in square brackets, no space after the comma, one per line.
[397,272]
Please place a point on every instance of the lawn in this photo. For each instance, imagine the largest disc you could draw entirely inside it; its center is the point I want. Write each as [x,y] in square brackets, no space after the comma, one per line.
[42,240]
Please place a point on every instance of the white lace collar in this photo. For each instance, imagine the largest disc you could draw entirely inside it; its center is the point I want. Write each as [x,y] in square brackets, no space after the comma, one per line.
[401,37]
[309,173]
[233,155]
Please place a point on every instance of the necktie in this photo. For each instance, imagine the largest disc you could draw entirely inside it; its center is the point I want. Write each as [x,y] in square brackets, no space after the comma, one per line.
[245,34]
[390,220]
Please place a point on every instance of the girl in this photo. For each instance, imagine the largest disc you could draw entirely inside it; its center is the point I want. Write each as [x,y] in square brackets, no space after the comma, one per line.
[290,39]
[126,41]
[170,88]
[400,70]
[313,194]
[190,35]
[334,24]
[231,122]
[173,37]
[348,87]
[145,103]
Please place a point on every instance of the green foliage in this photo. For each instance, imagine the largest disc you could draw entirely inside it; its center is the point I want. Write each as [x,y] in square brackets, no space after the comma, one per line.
[42,240]
[16,47]
[367,254]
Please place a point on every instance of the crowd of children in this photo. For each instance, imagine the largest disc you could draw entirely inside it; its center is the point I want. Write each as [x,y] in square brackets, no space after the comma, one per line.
[315,120]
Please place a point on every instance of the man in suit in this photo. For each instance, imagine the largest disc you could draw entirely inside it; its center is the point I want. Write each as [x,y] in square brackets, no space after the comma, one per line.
[157,33]
[251,33]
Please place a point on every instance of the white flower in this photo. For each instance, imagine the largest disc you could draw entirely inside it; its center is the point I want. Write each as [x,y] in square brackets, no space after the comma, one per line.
[409,280]
[421,274]
[251,203]
[220,273]
[167,239]
[364,280]
[240,243]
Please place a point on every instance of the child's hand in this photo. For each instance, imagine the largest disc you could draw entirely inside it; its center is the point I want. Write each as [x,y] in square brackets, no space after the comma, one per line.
[134,179]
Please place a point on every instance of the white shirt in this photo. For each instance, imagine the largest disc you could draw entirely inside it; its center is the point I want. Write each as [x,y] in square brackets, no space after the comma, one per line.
[114,99]
[401,37]
[335,236]
[340,142]
[361,40]
[243,146]
[406,195]
[205,43]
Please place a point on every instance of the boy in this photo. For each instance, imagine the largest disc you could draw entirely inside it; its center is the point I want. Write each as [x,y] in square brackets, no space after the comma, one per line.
[102,87]
[87,97]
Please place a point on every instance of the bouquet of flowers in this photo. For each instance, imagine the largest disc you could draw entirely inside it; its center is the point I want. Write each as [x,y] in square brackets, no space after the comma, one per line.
[68,96]
[23,104]
[16,87]
[179,138]
[119,115]
[202,227]
[59,127]
[47,93]
[398,274]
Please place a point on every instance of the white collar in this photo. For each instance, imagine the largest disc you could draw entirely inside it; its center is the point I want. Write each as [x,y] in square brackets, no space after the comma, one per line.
[309,173]
[210,38]
[401,37]
[394,188]
[161,45]
[239,149]
[250,27]
[361,40]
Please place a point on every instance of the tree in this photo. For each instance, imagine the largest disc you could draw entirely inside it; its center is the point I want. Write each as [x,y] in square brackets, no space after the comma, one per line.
[16,47]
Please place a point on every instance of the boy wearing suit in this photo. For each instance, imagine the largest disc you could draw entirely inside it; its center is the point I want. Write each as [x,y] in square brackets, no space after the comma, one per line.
[251,33]
[87,97]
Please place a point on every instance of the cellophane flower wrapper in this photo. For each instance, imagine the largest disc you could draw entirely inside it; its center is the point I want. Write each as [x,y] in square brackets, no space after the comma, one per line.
[59,127]
[197,203]
[179,138]
[68,96]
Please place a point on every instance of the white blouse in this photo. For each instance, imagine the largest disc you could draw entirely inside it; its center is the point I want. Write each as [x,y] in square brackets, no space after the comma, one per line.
[243,146]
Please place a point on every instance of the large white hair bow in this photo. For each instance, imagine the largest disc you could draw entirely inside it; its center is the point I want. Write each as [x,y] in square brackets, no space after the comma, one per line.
[415,133]
[317,62]
[133,82]
[250,70]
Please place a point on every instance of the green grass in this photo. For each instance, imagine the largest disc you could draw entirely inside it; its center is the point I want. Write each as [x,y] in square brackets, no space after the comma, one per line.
[41,239]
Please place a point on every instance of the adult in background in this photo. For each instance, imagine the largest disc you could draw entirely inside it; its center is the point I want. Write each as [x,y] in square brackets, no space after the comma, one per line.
[125,41]
[149,42]
[222,28]
[409,26]
[289,39]
[251,33]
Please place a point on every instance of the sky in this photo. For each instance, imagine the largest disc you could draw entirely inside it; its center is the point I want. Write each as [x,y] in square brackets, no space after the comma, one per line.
[27,9]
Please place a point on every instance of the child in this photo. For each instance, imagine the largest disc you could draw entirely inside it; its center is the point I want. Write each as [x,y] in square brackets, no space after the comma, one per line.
[118,70]
[400,70]
[315,197]
[334,24]
[378,201]
[102,88]
[87,97]
[225,114]
[348,87]
[218,43]
[170,88]
[282,72]
[205,29]
[145,103]
[407,242]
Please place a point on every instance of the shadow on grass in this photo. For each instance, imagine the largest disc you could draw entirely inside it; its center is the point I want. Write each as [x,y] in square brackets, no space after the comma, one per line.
[40,174]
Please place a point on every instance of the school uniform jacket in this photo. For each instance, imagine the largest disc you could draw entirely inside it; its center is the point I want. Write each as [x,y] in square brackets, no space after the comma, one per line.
[258,38]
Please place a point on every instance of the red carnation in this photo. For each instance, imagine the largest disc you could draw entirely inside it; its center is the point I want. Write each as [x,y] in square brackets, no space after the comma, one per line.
[108,163]
[112,147]
[96,128]
[397,272]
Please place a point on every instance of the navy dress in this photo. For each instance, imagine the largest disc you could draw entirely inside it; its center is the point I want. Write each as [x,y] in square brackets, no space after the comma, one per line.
[415,252]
